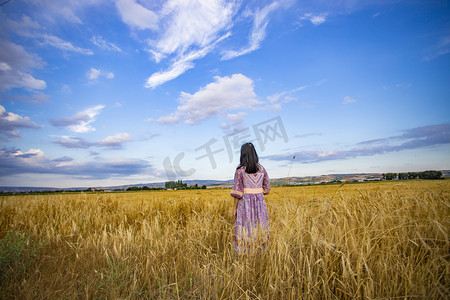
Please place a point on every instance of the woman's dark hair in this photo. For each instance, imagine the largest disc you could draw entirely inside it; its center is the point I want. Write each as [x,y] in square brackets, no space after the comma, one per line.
[249,158]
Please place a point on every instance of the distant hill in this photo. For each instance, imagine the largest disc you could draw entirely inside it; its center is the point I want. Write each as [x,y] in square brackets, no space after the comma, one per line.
[215,183]
[324,178]
[24,189]
[161,184]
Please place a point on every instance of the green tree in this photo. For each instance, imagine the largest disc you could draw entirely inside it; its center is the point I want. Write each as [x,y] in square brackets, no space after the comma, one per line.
[133,188]
[175,185]
[402,176]
[390,176]
[430,174]
[413,175]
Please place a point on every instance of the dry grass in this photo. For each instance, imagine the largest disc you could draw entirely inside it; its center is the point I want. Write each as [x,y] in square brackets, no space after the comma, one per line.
[371,240]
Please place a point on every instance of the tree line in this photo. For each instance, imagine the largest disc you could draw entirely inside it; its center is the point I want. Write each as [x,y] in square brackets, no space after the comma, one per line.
[430,174]
[143,188]
[179,185]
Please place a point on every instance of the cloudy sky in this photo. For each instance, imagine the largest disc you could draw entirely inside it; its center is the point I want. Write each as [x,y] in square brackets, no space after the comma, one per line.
[101,92]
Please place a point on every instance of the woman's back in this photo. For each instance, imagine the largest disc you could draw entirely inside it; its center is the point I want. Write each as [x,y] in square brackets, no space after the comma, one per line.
[251,183]
[250,210]
[253,180]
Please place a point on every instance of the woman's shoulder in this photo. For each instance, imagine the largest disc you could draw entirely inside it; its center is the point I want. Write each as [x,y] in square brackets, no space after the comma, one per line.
[240,169]
[261,168]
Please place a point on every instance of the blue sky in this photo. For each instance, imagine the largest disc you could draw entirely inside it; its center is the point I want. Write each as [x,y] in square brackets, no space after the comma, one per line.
[96,92]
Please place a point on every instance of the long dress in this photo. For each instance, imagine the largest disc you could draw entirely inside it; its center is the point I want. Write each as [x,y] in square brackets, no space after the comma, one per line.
[251,227]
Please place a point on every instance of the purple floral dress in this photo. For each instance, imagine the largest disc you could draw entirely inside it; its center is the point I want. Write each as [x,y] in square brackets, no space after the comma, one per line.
[252,219]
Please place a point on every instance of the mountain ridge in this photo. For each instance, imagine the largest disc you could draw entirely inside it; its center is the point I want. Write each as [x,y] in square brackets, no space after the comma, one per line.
[293,180]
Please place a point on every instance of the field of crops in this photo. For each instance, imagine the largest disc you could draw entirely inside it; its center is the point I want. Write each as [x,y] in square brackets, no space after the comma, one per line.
[367,240]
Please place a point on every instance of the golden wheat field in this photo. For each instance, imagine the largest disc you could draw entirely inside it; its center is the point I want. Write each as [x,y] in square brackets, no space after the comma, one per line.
[356,241]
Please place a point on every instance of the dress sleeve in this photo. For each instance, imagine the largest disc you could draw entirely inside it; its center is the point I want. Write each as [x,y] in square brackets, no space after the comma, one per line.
[238,186]
[266,183]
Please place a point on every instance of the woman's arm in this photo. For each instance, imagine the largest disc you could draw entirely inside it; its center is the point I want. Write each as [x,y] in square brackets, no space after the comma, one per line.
[236,201]
[238,186]
[237,191]
[266,183]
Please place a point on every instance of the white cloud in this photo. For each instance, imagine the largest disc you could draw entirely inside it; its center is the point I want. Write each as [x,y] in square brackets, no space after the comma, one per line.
[225,125]
[59,43]
[258,33]
[4,67]
[442,47]
[305,135]
[84,125]
[193,23]
[38,97]
[74,142]
[93,74]
[30,153]
[414,138]
[34,161]
[190,30]
[115,141]
[137,16]
[28,97]
[15,65]
[216,98]
[236,119]
[146,135]
[24,26]
[178,68]
[60,9]
[31,29]
[68,11]
[80,122]
[28,81]
[112,142]
[277,100]
[181,65]
[185,31]
[315,19]
[102,44]
[11,122]
[348,100]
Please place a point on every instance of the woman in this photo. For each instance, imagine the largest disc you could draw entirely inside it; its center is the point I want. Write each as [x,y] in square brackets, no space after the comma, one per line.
[251,183]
